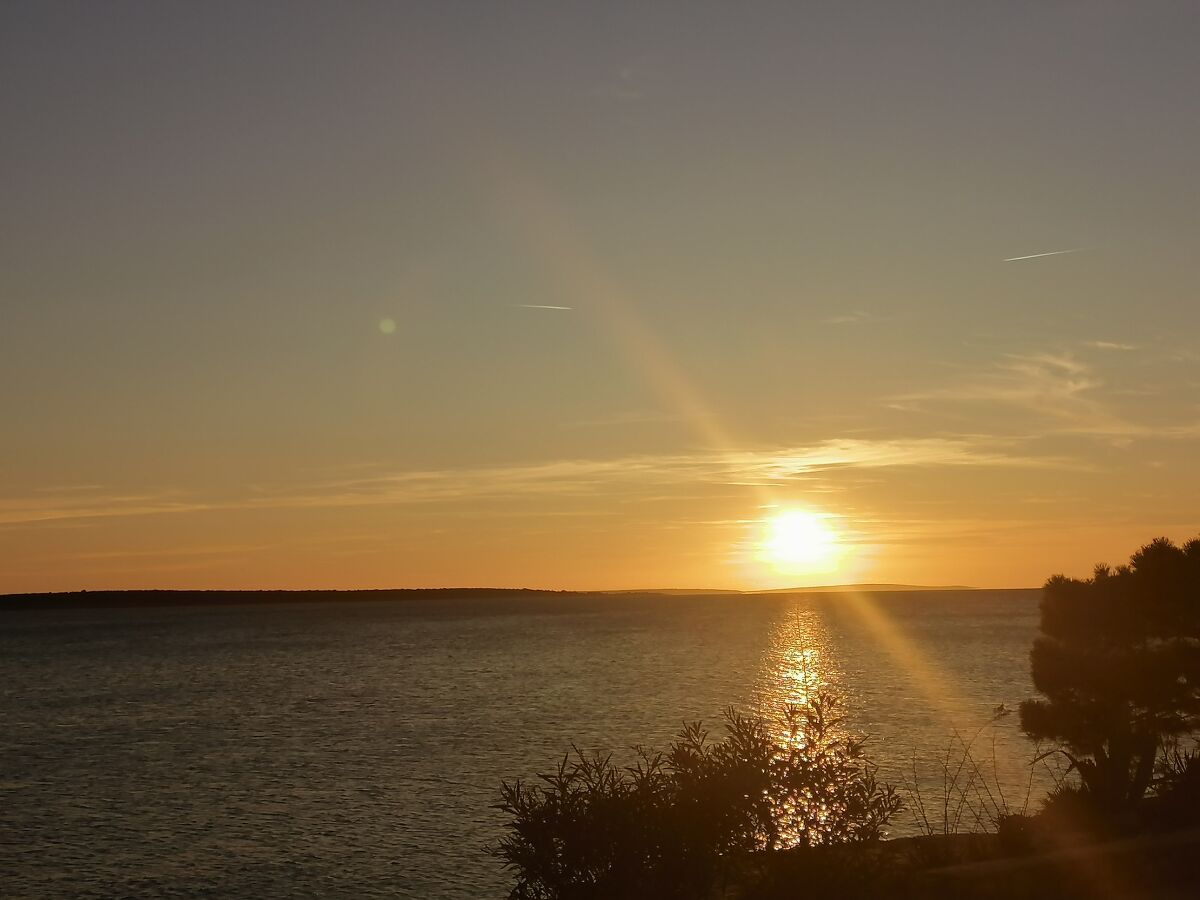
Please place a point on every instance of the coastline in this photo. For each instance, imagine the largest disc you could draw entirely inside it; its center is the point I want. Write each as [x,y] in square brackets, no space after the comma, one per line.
[166,598]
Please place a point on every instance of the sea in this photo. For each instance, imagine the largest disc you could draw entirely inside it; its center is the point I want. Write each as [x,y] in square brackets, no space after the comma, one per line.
[356,749]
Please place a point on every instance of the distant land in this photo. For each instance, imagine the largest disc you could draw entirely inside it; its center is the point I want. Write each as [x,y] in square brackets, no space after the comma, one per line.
[171,598]
[815,589]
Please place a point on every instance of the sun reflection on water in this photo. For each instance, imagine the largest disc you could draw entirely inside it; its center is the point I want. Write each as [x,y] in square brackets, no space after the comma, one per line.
[798,664]
[801,675]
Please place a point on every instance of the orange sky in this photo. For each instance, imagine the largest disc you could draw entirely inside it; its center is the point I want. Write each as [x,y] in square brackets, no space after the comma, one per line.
[401,298]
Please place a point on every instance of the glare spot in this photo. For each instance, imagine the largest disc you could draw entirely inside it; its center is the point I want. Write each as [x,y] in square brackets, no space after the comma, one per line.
[387,326]
[800,542]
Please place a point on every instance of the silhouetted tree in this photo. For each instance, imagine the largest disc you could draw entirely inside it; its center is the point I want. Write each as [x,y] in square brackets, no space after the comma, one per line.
[1118,665]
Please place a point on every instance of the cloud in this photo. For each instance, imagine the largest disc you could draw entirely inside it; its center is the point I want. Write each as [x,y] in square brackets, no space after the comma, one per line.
[50,504]
[878,454]
[1062,391]
[758,466]
[629,475]
[1111,345]
[1054,385]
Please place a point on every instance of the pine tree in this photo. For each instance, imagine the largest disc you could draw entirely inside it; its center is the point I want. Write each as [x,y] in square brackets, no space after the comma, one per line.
[1118,665]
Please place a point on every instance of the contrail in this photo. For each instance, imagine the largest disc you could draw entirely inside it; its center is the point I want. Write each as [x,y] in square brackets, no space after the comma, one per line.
[540,306]
[1050,253]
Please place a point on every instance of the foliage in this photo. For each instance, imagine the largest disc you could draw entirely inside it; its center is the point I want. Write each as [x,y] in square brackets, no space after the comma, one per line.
[1118,665]
[674,822]
[1071,808]
[1176,789]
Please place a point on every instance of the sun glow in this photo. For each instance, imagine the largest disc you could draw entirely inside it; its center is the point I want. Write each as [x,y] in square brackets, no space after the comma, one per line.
[800,542]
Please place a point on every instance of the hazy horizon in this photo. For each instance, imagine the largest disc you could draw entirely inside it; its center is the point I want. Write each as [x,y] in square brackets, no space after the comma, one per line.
[320,296]
[863,587]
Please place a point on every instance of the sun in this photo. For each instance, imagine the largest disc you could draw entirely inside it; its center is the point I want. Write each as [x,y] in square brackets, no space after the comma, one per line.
[798,541]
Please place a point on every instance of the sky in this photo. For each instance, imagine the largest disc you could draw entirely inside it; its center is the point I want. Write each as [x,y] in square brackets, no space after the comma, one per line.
[587,296]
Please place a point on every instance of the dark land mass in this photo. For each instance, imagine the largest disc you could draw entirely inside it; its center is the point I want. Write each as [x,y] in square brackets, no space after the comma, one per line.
[1158,866]
[815,589]
[160,598]
[871,589]
[470,597]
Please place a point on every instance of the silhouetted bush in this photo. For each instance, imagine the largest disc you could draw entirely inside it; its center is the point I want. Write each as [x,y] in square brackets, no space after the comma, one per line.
[1176,792]
[1118,665]
[672,824]
[839,872]
[1015,832]
[1073,811]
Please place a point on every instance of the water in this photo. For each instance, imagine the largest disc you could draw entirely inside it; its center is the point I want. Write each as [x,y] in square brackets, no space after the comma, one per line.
[354,750]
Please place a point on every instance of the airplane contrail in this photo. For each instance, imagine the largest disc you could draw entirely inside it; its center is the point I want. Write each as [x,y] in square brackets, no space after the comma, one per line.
[540,306]
[1049,253]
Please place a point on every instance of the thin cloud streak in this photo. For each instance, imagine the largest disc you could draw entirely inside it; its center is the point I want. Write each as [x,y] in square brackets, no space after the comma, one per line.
[52,506]
[760,468]
[1112,345]
[580,478]
[540,306]
[1048,253]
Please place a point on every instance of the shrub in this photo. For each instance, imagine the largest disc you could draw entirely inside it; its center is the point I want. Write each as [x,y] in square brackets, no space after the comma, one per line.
[1175,800]
[672,824]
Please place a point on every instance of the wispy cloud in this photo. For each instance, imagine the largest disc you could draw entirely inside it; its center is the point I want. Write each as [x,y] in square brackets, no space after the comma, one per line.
[1064,392]
[540,306]
[1055,385]
[584,476]
[974,450]
[1111,345]
[629,475]
[53,504]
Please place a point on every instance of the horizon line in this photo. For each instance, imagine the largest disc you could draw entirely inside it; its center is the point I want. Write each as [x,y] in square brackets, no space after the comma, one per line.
[879,587]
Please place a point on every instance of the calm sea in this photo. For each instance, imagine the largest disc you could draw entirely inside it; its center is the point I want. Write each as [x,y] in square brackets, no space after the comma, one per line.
[354,750]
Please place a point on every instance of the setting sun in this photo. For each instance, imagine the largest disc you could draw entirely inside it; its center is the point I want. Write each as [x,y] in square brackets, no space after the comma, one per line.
[800,542]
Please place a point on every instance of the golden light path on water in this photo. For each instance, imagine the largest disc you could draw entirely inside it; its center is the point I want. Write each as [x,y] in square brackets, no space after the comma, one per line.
[798,667]
[797,663]
[803,659]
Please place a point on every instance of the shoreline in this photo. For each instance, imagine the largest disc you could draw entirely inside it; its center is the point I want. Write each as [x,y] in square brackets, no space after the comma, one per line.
[165,598]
